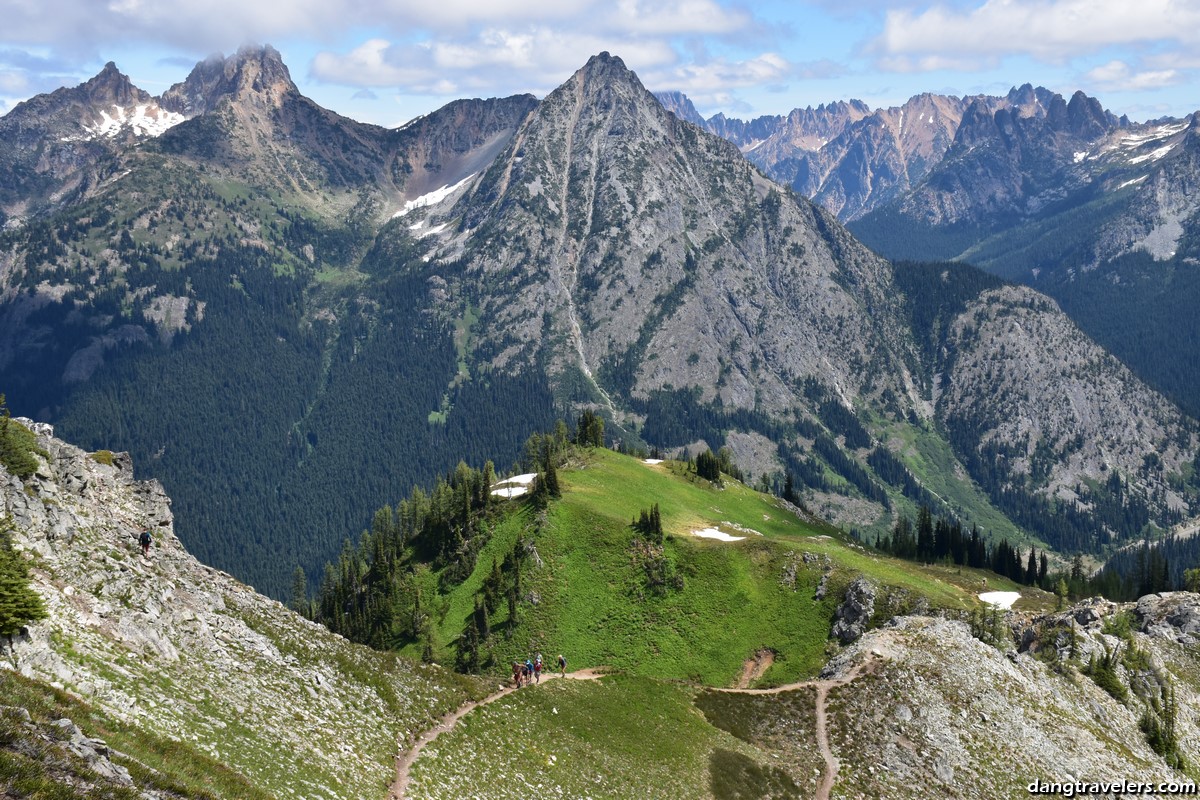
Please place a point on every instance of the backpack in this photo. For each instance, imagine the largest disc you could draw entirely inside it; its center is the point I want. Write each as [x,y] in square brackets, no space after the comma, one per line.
[144,540]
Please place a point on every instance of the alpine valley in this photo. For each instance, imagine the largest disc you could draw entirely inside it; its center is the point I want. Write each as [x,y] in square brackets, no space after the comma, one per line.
[251,326]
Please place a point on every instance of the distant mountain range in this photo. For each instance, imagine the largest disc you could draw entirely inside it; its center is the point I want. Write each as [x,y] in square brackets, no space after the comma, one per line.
[290,317]
[1097,211]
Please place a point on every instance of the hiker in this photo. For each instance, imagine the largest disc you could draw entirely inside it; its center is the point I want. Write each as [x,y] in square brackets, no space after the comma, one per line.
[145,540]
[528,671]
[537,669]
[516,668]
[562,665]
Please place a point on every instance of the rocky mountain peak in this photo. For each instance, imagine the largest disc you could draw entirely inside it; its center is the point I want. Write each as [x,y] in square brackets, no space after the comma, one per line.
[255,74]
[1086,118]
[978,124]
[681,106]
[111,87]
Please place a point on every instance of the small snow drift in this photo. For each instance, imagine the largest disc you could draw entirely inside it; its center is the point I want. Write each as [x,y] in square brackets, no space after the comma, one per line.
[1000,599]
[713,533]
[524,480]
[652,460]
[515,486]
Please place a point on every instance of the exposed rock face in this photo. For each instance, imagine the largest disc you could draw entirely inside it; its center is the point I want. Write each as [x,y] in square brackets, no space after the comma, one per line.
[1174,616]
[255,74]
[646,255]
[187,651]
[1023,379]
[941,712]
[854,614]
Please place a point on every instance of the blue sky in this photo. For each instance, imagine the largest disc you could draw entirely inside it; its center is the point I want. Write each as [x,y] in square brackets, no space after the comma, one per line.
[386,61]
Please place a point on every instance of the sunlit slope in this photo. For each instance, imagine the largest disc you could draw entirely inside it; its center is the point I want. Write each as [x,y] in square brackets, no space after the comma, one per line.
[593,589]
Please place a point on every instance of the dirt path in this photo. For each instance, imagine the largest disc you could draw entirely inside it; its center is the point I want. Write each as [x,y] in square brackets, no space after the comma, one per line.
[822,717]
[405,761]
[755,668]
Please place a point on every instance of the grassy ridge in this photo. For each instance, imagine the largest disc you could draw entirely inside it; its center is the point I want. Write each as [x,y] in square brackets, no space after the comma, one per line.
[594,603]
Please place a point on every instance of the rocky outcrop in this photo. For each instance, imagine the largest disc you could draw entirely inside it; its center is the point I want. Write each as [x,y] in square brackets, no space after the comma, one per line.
[1173,616]
[938,712]
[854,614]
[190,653]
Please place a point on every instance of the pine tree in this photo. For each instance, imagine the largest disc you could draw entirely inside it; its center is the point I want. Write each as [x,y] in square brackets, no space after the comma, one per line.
[1031,567]
[299,602]
[19,603]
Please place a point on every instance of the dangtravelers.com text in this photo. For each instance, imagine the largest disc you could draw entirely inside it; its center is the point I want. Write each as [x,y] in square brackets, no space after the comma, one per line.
[1121,787]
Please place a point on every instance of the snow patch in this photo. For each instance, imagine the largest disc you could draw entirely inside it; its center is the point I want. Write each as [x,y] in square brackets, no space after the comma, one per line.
[1133,181]
[143,120]
[515,486]
[652,460]
[713,533]
[1154,155]
[1000,599]
[432,198]
[525,479]
[436,229]
[1080,156]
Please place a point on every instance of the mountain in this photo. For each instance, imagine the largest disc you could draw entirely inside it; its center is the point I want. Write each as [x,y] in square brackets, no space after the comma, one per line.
[653,324]
[1054,192]
[269,299]
[52,147]
[1088,209]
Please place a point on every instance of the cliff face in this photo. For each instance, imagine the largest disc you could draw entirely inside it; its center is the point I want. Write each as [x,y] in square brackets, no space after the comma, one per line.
[942,712]
[188,652]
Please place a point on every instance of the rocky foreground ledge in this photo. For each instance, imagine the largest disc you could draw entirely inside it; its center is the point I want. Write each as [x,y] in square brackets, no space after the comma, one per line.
[189,652]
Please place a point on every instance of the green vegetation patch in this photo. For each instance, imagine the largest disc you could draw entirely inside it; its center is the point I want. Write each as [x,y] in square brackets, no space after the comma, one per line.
[621,737]
[31,765]
[604,594]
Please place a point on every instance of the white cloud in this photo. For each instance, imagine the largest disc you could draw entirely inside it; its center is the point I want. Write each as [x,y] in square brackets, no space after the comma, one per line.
[1116,75]
[495,60]
[1048,30]
[442,48]
[13,82]
[710,78]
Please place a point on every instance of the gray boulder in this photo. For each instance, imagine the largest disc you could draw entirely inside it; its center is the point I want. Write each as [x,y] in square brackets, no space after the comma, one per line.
[854,614]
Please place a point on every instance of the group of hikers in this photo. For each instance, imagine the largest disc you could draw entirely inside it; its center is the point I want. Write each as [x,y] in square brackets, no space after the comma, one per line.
[531,670]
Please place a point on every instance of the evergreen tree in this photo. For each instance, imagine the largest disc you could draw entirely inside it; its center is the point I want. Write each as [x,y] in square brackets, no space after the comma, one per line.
[708,466]
[789,487]
[299,602]
[589,430]
[17,445]
[552,487]
[1031,567]
[468,647]
[924,534]
[19,603]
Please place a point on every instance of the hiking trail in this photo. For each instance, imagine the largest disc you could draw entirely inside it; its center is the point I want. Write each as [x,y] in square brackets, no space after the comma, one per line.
[405,760]
[822,718]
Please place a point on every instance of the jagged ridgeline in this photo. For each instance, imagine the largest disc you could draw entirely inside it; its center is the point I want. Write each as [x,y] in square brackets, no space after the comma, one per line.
[291,318]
